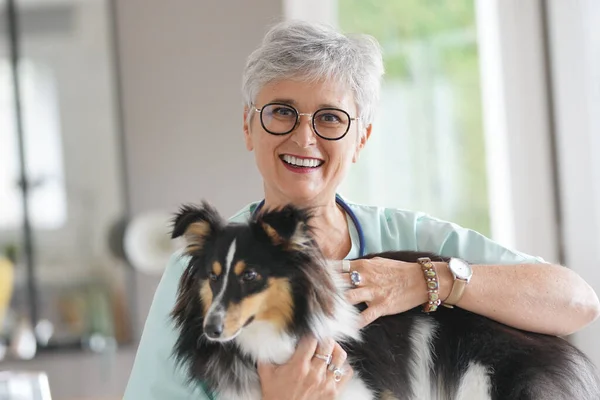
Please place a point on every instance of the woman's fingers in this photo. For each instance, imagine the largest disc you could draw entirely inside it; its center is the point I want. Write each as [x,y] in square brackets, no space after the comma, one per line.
[339,371]
[370,314]
[338,359]
[265,370]
[306,376]
[323,355]
[307,345]
[347,374]
[359,295]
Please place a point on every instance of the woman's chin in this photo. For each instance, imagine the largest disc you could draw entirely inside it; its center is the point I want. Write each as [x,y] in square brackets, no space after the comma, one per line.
[303,195]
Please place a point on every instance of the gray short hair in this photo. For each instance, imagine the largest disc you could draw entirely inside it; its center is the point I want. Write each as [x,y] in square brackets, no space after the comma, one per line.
[311,51]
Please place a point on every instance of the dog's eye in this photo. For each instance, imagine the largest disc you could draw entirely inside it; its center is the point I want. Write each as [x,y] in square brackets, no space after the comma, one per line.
[213,277]
[249,276]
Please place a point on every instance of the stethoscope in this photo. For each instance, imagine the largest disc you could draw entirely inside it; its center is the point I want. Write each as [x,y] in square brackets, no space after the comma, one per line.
[348,210]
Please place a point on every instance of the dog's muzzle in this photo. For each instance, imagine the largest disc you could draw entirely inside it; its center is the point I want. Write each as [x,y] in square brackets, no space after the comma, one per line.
[213,326]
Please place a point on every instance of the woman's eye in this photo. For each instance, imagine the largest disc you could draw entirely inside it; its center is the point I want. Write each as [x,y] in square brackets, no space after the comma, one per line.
[248,276]
[283,112]
[329,118]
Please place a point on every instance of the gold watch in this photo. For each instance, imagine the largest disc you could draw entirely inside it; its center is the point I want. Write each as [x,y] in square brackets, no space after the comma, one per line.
[462,273]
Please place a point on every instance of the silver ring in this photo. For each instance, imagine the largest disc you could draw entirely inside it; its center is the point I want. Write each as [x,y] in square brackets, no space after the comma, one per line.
[337,374]
[324,357]
[355,278]
[345,266]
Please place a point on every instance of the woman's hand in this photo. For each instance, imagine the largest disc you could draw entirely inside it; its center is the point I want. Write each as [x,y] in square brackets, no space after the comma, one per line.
[305,376]
[388,287]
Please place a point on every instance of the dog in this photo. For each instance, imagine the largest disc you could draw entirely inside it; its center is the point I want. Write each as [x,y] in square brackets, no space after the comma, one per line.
[251,290]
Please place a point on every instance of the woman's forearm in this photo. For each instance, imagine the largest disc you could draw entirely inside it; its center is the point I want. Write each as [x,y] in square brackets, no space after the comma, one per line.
[540,298]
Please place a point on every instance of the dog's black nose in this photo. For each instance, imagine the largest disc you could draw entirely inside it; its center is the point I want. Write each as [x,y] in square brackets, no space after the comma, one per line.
[213,330]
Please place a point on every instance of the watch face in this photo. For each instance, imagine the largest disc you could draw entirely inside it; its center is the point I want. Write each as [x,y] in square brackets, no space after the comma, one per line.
[461,269]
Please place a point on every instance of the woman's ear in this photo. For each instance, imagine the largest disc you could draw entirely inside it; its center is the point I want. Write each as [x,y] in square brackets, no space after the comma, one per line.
[247,135]
[362,141]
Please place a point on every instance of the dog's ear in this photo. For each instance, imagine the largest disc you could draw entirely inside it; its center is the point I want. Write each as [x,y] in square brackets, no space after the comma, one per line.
[288,226]
[196,225]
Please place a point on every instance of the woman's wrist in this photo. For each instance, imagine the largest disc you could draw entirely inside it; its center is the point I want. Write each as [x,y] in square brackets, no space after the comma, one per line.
[445,279]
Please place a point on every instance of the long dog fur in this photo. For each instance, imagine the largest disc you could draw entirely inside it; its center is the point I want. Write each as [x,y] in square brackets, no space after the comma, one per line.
[251,290]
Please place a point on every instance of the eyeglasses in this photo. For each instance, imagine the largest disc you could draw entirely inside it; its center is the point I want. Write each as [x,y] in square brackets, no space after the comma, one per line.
[328,123]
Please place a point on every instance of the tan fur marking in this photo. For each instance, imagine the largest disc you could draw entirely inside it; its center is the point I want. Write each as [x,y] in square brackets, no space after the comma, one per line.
[206,296]
[217,269]
[195,235]
[233,320]
[272,233]
[239,268]
[297,242]
[387,395]
[278,305]
[273,304]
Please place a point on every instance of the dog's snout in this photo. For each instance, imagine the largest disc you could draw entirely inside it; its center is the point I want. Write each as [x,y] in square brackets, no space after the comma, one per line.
[214,330]
[214,327]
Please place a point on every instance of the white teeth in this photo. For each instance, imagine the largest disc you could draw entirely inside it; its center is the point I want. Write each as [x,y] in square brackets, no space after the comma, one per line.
[302,162]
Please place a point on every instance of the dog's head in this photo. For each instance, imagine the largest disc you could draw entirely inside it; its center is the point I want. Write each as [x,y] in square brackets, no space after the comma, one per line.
[268,269]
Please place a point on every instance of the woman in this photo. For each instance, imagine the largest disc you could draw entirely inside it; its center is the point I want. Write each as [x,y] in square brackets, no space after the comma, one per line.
[310,94]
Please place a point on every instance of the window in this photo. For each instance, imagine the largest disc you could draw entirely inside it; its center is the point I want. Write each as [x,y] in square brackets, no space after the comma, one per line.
[427,150]
[43,146]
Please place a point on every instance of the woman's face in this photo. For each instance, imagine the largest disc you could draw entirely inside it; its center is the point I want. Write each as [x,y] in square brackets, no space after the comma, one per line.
[317,180]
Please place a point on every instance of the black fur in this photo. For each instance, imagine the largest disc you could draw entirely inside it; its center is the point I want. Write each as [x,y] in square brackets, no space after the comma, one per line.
[211,362]
[524,365]
[189,214]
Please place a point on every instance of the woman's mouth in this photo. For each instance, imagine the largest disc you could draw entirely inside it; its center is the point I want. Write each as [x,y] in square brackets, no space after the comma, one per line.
[301,162]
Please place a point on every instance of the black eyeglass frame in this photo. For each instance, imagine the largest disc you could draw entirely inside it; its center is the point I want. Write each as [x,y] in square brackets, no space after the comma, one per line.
[312,119]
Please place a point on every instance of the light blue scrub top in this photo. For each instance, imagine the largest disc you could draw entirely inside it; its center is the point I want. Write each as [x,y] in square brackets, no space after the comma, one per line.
[154,375]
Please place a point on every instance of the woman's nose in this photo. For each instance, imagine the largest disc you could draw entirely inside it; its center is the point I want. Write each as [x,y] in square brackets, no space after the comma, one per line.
[303,135]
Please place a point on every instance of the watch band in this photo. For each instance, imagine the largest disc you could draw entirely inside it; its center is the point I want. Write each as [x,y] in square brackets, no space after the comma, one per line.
[458,288]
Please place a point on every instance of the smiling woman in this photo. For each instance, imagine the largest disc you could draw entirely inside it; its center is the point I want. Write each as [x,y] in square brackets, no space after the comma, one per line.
[310,94]
[316,139]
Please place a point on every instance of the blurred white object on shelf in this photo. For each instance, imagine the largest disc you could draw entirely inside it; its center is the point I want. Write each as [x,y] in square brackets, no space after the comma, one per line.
[147,242]
[24,386]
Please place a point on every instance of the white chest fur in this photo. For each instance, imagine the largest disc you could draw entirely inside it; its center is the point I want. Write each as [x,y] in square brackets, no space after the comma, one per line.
[263,342]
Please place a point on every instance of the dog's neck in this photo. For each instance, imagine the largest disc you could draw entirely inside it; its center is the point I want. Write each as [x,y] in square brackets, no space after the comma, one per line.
[344,323]
[263,341]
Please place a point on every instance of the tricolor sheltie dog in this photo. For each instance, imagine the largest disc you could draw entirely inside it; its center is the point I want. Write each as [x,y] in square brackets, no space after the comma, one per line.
[251,290]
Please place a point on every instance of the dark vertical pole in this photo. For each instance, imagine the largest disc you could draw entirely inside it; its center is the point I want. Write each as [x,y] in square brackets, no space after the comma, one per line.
[130,274]
[552,127]
[13,36]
